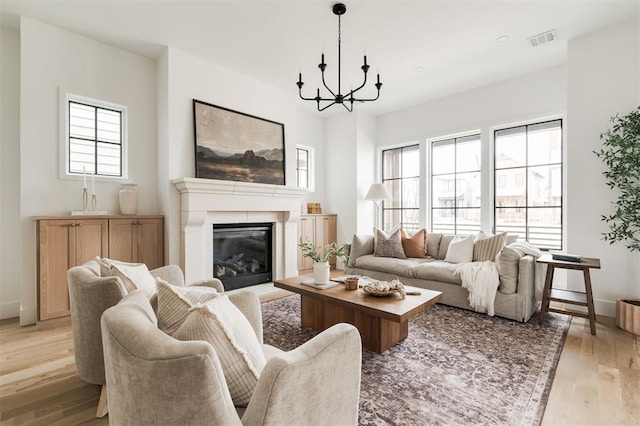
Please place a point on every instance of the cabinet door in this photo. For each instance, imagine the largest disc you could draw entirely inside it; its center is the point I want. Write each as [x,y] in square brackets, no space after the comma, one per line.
[325,231]
[63,244]
[56,254]
[122,236]
[306,232]
[149,242]
[91,239]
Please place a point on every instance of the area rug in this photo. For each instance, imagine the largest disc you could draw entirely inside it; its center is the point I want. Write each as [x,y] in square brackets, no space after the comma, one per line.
[456,367]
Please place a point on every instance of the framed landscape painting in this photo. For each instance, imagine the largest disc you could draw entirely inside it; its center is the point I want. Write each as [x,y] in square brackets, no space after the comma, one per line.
[231,145]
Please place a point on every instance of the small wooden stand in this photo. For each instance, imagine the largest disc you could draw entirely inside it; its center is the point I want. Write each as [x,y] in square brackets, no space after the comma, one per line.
[568,296]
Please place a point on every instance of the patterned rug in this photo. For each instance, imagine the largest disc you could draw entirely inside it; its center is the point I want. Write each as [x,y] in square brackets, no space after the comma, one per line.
[456,367]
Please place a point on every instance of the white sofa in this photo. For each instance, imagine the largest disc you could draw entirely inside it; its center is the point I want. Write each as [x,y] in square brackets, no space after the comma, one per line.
[517,301]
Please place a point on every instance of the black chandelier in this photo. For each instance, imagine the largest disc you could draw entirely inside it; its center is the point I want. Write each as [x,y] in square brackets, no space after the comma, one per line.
[347,99]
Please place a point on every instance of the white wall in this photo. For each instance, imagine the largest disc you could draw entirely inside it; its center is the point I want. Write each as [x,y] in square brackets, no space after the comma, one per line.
[537,94]
[52,58]
[604,80]
[10,271]
[187,78]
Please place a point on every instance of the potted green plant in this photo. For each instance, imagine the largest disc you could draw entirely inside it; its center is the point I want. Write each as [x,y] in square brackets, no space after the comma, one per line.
[320,257]
[620,153]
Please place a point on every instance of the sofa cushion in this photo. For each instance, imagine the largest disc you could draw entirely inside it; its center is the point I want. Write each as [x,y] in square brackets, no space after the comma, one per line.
[360,245]
[460,250]
[174,303]
[221,323]
[399,267]
[486,248]
[388,245]
[433,243]
[437,270]
[508,263]
[414,246]
[445,240]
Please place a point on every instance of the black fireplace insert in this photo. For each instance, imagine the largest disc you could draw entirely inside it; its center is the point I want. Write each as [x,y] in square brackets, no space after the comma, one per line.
[242,254]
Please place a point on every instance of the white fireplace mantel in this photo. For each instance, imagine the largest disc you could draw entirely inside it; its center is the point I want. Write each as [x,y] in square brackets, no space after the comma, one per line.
[204,202]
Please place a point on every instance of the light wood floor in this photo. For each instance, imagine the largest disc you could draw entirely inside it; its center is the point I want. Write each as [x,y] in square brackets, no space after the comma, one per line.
[597,380]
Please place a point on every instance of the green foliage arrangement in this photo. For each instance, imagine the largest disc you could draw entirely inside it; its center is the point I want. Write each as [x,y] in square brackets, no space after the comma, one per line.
[330,250]
[620,153]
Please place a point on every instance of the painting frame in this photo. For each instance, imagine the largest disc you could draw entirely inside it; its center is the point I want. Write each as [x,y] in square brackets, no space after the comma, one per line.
[236,146]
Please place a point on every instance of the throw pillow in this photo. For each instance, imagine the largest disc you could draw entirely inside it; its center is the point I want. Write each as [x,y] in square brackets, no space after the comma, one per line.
[106,263]
[389,245]
[135,277]
[433,244]
[360,246]
[415,246]
[174,303]
[486,249]
[460,250]
[221,323]
[508,263]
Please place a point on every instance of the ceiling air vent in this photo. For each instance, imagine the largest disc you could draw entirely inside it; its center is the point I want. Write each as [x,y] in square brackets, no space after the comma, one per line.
[543,38]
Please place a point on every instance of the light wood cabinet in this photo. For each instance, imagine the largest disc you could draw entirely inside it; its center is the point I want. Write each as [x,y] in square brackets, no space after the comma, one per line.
[67,241]
[320,230]
[137,240]
[63,244]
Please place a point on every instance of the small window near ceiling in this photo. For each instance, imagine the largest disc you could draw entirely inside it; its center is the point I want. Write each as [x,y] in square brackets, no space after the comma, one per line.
[95,140]
[304,167]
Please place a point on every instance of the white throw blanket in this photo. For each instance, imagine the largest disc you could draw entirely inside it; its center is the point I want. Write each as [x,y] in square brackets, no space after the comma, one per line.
[481,280]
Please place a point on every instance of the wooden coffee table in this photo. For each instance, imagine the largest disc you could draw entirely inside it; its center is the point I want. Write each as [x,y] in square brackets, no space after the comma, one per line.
[382,321]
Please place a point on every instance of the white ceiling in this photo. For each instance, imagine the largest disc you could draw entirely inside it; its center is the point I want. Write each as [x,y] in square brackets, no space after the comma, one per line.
[453,41]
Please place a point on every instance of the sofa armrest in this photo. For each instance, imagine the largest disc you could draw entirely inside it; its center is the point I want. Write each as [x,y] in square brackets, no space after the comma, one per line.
[170,273]
[319,382]
[211,282]
[249,304]
[526,275]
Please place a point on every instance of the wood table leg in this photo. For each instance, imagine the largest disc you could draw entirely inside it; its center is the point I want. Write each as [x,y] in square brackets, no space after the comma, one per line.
[590,307]
[103,407]
[544,306]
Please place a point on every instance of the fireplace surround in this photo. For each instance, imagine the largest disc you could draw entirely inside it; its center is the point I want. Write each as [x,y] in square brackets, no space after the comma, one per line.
[204,202]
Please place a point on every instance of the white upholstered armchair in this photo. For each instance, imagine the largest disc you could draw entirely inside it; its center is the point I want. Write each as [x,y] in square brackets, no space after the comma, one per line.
[90,294]
[153,378]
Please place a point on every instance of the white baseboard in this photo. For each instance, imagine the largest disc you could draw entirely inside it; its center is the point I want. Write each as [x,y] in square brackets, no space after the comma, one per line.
[28,316]
[9,310]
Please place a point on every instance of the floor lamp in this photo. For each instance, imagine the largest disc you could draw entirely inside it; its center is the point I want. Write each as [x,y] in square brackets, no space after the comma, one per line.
[377,193]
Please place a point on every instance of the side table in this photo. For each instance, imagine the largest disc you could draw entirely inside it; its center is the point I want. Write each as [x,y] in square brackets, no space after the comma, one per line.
[568,296]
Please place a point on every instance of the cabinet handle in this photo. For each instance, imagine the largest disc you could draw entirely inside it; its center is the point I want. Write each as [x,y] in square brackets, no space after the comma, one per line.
[78,224]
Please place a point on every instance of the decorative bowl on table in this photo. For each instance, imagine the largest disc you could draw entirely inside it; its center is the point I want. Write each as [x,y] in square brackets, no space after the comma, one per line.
[384,288]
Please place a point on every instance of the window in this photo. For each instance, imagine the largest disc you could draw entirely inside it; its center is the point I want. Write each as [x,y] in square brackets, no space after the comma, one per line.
[303,167]
[455,185]
[95,138]
[401,175]
[529,159]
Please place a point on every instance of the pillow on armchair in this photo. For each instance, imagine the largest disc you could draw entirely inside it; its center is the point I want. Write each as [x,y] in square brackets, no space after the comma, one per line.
[221,323]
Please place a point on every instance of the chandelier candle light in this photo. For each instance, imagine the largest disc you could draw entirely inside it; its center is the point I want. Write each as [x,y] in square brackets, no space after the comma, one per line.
[347,99]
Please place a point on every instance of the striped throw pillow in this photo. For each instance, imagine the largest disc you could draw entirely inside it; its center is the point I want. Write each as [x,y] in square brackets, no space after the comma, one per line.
[174,303]
[486,249]
[221,323]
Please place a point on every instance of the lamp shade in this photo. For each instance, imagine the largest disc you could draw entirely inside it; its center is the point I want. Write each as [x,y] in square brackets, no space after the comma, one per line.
[377,192]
